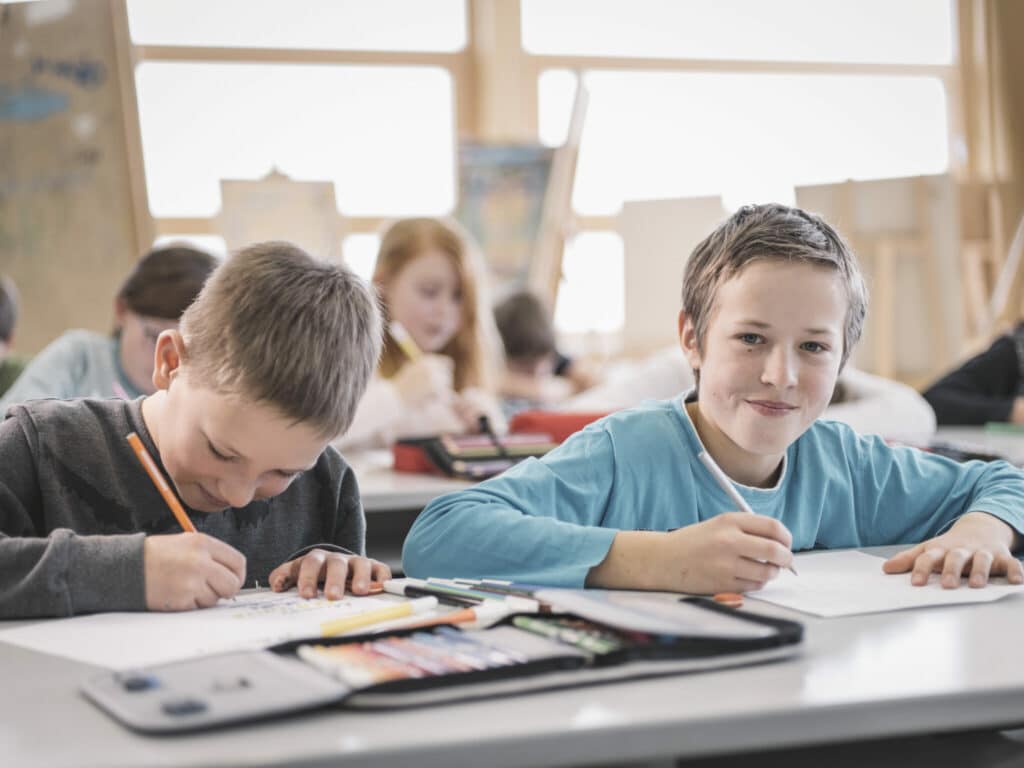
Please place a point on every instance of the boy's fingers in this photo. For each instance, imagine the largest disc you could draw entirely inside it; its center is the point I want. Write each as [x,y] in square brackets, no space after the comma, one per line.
[953,567]
[752,570]
[927,562]
[766,550]
[281,578]
[1014,570]
[226,555]
[981,567]
[381,571]
[360,567]
[337,572]
[310,568]
[768,527]
[223,582]
[903,561]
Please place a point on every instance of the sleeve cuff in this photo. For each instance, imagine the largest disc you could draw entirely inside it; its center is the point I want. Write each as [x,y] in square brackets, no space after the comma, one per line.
[105,573]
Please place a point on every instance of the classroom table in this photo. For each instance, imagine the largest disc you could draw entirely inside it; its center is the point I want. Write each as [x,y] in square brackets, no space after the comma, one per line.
[392,500]
[876,676]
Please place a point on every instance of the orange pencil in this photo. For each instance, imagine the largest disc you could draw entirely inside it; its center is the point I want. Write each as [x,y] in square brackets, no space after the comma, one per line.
[160,482]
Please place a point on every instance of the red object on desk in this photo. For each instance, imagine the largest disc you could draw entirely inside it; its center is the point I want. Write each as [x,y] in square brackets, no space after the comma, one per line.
[411,458]
[558,424]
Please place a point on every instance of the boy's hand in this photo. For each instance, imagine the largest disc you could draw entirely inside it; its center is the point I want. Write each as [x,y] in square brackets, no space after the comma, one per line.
[332,569]
[978,545]
[732,552]
[190,570]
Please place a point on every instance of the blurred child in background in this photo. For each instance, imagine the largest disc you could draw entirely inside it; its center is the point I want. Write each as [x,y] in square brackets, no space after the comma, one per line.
[11,366]
[83,363]
[537,375]
[438,369]
[988,387]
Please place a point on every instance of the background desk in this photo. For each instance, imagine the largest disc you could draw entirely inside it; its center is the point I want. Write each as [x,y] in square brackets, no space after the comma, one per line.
[911,672]
[392,500]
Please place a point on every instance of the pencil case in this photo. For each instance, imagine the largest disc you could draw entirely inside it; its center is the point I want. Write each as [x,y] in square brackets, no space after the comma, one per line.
[524,653]
[470,457]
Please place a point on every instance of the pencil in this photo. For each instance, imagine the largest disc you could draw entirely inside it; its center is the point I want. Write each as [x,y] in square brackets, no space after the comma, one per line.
[728,487]
[404,340]
[160,482]
[396,611]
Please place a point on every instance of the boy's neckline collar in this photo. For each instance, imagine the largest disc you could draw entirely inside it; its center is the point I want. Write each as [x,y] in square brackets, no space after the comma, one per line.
[690,396]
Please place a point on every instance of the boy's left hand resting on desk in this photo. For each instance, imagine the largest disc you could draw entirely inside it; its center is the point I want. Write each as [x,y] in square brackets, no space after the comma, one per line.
[978,545]
[330,568]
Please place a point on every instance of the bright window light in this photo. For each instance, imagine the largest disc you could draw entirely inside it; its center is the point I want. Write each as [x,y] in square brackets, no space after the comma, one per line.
[359,253]
[212,244]
[591,296]
[905,32]
[679,134]
[397,25]
[383,135]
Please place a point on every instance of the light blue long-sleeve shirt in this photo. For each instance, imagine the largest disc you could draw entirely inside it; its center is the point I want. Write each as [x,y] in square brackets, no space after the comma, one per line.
[549,521]
[79,363]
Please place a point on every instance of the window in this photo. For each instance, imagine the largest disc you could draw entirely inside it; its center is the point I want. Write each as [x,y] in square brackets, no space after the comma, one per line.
[383,135]
[395,25]
[686,134]
[737,98]
[906,32]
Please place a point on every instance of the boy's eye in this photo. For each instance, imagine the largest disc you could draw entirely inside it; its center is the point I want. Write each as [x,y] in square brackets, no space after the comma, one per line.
[750,338]
[813,346]
[217,453]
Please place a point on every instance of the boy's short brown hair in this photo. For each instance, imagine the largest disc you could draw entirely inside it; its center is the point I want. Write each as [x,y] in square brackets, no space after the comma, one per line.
[278,326]
[771,232]
[525,327]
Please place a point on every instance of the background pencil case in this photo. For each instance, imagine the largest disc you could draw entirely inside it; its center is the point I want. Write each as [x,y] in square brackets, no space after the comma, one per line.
[239,687]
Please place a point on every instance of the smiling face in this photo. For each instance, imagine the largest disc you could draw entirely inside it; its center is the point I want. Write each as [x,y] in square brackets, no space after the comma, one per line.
[222,450]
[425,296]
[768,363]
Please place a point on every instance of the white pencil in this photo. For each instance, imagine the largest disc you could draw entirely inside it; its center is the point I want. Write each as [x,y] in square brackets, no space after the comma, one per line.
[728,487]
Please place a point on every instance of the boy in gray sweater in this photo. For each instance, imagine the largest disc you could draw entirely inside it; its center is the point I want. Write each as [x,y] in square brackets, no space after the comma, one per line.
[266,369]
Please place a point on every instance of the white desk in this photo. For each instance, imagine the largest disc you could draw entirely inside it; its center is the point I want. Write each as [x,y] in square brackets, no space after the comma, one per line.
[384,490]
[1003,443]
[913,672]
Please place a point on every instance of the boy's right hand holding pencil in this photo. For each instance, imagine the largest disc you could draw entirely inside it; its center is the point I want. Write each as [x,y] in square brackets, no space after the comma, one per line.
[731,552]
[190,570]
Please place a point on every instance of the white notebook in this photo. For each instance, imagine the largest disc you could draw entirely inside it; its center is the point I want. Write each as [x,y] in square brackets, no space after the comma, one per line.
[848,582]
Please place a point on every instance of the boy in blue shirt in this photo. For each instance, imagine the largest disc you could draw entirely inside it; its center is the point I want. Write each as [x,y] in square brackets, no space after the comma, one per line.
[773,303]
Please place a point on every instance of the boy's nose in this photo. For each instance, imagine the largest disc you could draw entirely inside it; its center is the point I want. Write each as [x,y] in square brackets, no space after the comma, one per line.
[237,493]
[780,368]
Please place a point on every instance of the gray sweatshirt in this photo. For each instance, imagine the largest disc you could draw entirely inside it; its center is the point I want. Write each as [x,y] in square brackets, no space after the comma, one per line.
[76,504]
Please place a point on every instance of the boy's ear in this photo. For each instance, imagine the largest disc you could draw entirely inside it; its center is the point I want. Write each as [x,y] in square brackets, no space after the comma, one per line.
[169,355]
[688,340]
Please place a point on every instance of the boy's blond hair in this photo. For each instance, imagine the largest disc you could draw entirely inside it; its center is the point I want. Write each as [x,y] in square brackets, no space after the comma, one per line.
[771,232]
[276,325]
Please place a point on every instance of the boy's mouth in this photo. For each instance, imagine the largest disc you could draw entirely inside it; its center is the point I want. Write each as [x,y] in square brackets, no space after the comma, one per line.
[210,500]
[771,407]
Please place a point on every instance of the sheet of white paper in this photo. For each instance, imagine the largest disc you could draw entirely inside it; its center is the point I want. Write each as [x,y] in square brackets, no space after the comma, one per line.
[848,582]
[250,621]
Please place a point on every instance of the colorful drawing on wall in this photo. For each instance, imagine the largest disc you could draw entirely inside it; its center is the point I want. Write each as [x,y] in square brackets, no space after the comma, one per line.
[501,202]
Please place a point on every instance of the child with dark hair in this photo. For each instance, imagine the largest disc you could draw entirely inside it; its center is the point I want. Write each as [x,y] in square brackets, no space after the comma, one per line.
[11,366]
[988,387]
[537,374]
[83,363]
